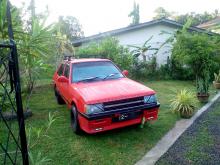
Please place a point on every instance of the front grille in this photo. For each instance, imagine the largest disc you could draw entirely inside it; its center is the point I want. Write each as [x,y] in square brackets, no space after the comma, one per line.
[124,104]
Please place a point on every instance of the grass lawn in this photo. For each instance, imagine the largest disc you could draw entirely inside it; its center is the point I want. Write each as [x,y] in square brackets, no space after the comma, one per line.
[121,146]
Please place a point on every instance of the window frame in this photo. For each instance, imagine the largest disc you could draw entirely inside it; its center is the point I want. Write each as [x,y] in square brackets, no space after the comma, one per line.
[72,67]
[64,72]
[58,71]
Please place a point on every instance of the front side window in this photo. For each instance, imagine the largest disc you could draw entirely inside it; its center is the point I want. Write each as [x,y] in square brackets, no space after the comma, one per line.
[60,70]
[94,71]
[67,71]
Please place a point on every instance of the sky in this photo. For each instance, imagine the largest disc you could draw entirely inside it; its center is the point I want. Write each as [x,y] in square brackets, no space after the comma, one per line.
[98,16]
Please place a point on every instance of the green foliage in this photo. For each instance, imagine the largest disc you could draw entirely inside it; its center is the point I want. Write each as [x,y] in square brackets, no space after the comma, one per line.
[197,18]
[195,50]
[164,71]
[189,50]
[135,15]
[70,27]
[108,48]
[38,159]
[162,13]
[35,42]
[198,52]
[15,16]
[184,103]
[143,50]
[3,27]
[4,96]
[35,136]
[144,69]
[217,77]
[35,47]
[148,66]
[202,85]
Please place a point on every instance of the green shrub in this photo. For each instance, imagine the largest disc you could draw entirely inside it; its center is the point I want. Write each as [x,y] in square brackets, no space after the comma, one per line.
[202,85]
[197,51]
[108,48]
[217,77]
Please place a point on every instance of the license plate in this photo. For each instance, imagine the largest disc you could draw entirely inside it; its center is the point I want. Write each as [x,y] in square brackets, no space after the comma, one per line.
[126,116]
[123,117]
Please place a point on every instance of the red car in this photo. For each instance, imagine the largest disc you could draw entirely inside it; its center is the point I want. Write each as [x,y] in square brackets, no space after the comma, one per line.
[101,97]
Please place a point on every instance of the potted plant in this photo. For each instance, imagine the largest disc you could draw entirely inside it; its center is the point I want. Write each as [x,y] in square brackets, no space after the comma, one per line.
[217,80]
[184,104]
[203,89]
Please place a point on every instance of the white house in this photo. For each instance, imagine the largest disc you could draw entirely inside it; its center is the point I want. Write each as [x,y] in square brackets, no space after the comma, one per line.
[138,34]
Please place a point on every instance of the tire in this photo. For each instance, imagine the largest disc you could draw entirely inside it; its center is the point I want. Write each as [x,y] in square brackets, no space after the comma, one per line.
[74,120]
[58,97]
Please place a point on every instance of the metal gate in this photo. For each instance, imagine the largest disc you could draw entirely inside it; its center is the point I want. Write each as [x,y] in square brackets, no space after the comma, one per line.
[13,144]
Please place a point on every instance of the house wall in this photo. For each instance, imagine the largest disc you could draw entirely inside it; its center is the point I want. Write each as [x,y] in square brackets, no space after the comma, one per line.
[138,37]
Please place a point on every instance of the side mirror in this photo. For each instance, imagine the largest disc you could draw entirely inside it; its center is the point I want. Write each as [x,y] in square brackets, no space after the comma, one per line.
[125,73]
[63,79]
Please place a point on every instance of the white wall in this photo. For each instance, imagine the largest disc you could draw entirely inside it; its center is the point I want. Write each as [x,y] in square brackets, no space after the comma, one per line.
[138,37]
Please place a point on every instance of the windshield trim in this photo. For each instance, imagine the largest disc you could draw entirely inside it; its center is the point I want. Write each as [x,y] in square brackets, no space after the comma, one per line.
[72,81]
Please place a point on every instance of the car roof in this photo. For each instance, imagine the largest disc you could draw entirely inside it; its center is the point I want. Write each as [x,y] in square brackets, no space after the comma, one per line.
[85,60]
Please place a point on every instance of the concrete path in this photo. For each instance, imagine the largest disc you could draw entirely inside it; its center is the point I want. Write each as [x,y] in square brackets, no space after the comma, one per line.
[167,141]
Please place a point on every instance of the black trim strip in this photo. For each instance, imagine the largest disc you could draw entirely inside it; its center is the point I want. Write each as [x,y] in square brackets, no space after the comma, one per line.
[110,113]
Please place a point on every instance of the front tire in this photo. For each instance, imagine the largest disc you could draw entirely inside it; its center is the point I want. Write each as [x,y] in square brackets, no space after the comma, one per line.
[74,120]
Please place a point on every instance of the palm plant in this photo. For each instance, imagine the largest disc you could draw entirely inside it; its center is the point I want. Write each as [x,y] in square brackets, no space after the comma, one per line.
[3,25]
[217,80]
[34,48]
[217,77]
[202,84]
[35,41]
[143,50]
[184,104]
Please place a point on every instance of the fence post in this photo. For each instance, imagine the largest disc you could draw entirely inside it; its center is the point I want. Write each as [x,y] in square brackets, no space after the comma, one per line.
[17,86]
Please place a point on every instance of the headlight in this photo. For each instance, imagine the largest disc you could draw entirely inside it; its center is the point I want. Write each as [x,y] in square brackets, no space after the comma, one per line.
[150,99]
[95,108]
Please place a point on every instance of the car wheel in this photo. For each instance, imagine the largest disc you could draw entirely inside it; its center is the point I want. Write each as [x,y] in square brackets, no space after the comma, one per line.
[58,97]
[74,120]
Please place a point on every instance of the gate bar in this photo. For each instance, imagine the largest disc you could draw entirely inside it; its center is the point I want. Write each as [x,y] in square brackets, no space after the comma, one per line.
[17,85]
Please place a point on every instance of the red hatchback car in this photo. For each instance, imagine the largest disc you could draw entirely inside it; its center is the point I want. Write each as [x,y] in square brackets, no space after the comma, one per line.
[101,97]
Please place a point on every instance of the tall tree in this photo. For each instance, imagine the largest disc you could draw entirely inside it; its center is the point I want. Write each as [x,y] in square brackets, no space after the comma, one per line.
[196,17]
[162,13]
[134,14]
[70,27]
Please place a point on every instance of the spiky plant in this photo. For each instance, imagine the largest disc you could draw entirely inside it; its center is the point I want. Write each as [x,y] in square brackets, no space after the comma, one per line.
[184,103]
[217,77]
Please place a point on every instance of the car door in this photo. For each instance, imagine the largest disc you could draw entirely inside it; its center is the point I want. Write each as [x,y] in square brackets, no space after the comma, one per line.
[66,85]
[59,73]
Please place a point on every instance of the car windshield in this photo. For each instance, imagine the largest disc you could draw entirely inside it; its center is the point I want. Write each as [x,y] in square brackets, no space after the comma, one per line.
[94,71]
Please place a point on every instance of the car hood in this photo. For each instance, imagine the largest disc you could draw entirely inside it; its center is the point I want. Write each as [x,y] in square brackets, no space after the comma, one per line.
[109,90]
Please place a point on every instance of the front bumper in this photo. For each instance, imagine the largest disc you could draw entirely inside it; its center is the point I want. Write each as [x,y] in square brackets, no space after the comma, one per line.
[106,120]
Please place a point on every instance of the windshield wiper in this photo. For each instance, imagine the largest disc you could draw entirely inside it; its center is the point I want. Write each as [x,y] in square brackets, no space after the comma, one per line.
[89,79]
[110,75]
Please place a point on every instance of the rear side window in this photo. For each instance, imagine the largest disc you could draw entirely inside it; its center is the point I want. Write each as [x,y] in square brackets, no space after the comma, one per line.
[60,70]
[67,71]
